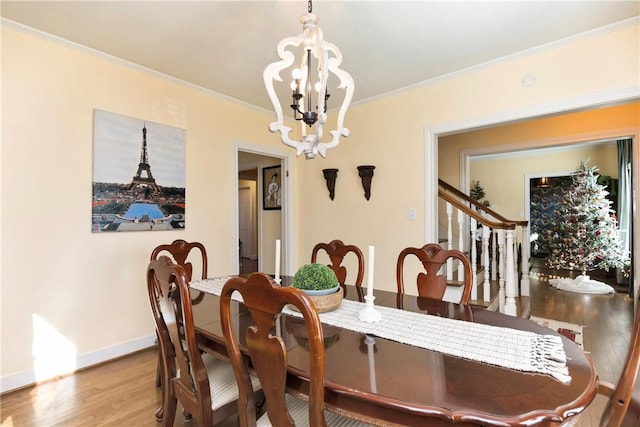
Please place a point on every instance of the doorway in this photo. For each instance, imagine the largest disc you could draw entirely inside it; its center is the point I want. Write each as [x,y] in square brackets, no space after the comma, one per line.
[569,106]
[258,228]
[247,218]
[547,175]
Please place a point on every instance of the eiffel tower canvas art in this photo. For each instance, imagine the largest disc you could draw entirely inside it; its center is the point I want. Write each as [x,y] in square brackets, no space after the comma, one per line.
[127,195]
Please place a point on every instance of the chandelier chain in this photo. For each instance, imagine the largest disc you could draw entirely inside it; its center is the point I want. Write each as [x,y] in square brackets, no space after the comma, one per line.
[310,6]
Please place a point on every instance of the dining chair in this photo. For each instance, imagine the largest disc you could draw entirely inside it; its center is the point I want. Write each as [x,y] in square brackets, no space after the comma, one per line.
[622,408]
[336,250]
[431,284]
[180,251]
[204,385]
[267,352]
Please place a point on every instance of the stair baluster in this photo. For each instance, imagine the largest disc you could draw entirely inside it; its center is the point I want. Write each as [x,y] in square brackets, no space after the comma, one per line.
[500,241]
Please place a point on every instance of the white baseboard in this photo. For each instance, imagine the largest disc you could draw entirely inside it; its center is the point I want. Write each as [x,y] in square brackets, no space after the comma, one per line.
[27,378]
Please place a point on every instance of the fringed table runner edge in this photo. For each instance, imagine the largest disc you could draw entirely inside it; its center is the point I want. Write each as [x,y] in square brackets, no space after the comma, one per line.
[505,347]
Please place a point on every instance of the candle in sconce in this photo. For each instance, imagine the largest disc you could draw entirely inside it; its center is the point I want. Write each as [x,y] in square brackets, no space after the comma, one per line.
[277,275]
[370,274]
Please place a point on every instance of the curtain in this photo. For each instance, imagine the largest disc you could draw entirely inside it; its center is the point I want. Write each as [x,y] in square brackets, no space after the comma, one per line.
[624,202]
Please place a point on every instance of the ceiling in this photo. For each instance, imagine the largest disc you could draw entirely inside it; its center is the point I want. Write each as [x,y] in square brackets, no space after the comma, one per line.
[224,46]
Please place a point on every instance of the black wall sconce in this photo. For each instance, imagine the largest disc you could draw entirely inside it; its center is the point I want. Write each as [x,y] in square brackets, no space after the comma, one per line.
[330,176]
[366,174]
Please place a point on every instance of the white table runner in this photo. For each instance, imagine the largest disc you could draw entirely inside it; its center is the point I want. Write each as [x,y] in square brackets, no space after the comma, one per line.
[505,347]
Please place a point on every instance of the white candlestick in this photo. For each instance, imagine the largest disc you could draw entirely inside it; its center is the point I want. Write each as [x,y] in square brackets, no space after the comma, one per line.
[370,274]
[369,313]
[277,260]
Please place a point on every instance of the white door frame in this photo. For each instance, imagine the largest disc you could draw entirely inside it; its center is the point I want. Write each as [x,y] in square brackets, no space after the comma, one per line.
[288,237]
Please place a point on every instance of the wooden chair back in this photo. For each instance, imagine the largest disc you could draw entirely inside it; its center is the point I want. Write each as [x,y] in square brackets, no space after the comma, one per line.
[431,284]
[622,409]
[184,371]
[336,250]
[264,300]
[180,251]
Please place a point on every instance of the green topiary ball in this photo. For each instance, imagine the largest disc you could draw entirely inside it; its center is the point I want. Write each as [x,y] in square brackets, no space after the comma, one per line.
[315,277]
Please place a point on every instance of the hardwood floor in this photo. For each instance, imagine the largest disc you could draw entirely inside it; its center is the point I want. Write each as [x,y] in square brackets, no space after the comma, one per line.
[607,321]
[118,393]
[122,392]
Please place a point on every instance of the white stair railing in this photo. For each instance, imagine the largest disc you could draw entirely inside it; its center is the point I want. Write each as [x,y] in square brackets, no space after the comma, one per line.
[510,288]
[486,233]
[499,240]
[501,261]
[474,257]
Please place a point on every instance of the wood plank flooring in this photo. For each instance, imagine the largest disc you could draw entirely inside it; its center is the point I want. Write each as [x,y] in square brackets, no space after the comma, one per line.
[118,393]
[607,321]
[122,393]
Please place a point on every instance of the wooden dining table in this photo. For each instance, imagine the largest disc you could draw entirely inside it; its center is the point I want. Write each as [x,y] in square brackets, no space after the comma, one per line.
[389,383]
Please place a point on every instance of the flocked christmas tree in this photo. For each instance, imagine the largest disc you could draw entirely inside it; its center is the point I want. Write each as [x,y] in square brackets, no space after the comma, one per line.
[583,233]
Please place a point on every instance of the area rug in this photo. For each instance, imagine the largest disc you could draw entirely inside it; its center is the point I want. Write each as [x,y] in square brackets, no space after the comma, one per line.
[570,330]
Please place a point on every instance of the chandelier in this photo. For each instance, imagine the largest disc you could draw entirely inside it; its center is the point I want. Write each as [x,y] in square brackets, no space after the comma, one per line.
[318,58]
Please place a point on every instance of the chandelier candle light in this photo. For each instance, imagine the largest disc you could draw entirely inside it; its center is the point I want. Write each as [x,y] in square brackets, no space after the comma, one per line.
[369,314]
[318,59]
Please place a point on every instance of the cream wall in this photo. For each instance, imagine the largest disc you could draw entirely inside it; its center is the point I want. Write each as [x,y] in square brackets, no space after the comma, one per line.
[271,230]
[563,130]
[504,182]
[390,134]
[503,179]
[90,288]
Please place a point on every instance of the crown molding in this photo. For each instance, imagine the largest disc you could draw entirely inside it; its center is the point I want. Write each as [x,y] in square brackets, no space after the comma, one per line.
[102,55]
[617,26]
[119,61]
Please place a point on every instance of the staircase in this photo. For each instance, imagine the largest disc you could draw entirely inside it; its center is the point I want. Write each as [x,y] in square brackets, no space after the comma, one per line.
[497,247]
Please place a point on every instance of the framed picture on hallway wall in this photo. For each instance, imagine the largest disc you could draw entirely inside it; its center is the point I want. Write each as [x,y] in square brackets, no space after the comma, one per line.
[272,187]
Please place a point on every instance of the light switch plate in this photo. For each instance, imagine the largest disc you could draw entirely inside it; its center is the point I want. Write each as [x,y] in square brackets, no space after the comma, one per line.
[412,214]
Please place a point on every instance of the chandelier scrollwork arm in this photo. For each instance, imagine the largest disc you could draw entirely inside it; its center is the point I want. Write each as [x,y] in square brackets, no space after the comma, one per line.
[322,58]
